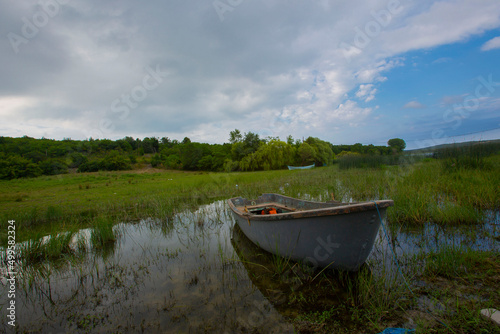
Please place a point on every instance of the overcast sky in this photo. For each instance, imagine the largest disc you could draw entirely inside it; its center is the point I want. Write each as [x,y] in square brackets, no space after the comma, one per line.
[342,71]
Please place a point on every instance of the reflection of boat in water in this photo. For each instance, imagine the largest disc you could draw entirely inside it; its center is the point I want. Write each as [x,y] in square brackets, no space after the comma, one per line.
[294,289]
[259,266]
[330,234]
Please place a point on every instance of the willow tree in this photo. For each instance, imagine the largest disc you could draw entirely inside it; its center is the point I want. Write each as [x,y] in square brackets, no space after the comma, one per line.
[323,151]
[275,154]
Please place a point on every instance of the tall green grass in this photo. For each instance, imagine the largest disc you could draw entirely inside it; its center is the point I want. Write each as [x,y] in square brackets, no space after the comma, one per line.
[422,192]
[468,156]
[460,262]
[47,248]
[427,193]
[369,160]
[102,233]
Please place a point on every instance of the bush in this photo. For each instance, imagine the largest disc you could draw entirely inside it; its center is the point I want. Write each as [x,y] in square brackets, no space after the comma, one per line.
[77,159]
[53,167]
[15,166]
[115,161]
[90,166]
[156,160]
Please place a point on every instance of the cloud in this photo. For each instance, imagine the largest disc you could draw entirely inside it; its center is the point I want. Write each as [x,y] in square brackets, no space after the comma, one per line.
[266,67]
[453,99]
[366,92]
[414,105]
[442,60]
[492,44]
[443,22]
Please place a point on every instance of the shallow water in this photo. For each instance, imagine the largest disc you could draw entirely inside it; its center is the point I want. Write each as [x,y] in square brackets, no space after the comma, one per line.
[195,274]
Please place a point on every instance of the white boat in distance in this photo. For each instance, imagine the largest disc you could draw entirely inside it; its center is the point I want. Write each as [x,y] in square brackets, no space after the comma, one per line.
[303,167]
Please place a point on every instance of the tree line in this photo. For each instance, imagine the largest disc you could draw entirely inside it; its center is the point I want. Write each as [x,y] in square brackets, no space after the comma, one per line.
[30,157]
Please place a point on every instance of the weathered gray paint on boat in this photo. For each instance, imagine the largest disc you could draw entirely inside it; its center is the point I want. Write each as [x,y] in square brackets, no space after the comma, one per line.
[334,234]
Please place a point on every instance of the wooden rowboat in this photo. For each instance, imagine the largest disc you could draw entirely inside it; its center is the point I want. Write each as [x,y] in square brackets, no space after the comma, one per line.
[322,234]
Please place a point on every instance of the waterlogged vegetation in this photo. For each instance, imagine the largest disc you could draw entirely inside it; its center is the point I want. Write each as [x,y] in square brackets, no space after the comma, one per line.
[155,250]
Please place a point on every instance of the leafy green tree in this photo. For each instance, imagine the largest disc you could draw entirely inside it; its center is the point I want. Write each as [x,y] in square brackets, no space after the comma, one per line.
[235,136]
[165,141]
[156,160]
[251,142]
[206,163]
[173,161]
[53,167]
[244,146]
[104,145]
[124,145]
[306,154]
[358,148]
[35,156]
[90,166]
[397,144]
[191,153]
[275,154]
[131,141]
[115,161]
[77,159]
[238,151]
[150,145]
[324,154]
[15,166]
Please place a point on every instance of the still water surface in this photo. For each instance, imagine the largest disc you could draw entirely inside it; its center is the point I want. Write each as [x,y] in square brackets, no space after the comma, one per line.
[193,274]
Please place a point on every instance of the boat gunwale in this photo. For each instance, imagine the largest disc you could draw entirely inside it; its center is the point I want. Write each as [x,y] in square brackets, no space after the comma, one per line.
[336,208]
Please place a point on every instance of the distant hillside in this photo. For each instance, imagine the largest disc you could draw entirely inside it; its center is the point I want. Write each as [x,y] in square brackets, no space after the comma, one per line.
[454,145]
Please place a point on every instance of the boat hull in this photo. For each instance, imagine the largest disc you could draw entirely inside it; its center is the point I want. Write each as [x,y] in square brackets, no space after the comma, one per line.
[335,235]
[301,167]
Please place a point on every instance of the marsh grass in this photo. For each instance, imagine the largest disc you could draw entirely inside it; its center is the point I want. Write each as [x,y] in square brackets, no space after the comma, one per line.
[427,194]
[58,203]
[102,233]
[460,262]
[373,300]
[460,281]
[451,213]
[47,248]
[280,263]
[369,161]
[470,156]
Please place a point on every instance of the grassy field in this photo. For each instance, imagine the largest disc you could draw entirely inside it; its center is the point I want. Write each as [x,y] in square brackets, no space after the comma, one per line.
[428,191]
[422,192]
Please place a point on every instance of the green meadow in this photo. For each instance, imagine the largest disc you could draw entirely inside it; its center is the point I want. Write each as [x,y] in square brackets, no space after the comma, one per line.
[423,192]
[443,192]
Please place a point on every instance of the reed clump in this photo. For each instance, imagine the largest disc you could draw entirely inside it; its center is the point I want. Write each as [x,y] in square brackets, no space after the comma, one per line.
[460,262]
[48,248]
[469,156]
[102,233]
[349,161]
